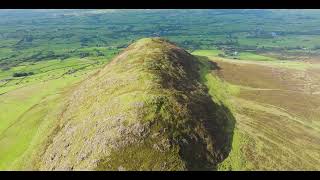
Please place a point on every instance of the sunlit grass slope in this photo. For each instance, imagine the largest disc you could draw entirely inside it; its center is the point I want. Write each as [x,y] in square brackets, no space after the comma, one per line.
[275,105]
[28,104]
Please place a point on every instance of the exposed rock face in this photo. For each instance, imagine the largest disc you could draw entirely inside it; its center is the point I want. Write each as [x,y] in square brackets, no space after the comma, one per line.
[146,110]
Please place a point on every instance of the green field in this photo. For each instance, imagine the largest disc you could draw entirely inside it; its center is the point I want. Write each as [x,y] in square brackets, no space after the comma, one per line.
[209,53]
[255,57]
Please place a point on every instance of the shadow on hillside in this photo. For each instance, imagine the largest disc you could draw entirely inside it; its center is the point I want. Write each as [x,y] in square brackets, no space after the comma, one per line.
[224,133]
[219,121]
[213,65]
[225,118]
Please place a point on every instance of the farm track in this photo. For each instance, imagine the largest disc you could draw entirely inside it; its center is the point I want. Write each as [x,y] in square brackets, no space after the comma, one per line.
[2,135]
[3,85]
[266,89]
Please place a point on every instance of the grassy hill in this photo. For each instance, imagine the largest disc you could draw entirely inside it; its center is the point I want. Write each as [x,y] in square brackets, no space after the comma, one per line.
[157,107]
[148,109]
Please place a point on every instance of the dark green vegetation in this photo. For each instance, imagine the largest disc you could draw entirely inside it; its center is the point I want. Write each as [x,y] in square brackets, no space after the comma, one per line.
[260,68]
[20,74]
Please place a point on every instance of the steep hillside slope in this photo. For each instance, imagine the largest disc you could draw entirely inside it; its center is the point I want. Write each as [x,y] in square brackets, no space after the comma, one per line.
[146,110]
[276,108]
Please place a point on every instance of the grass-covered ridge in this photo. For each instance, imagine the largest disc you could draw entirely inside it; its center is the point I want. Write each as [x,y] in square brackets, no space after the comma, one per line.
[148,109]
